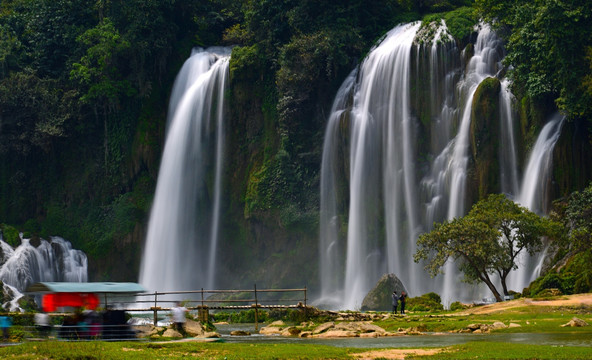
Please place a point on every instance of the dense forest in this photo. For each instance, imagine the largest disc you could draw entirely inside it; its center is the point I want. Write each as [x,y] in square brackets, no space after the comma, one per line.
[84,87]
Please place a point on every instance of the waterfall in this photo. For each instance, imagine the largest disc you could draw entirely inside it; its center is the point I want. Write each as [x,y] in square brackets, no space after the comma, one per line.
[331,247]
[508,162]
[384,79]
[53,260]
[533,195]
[181,244]
[395,194]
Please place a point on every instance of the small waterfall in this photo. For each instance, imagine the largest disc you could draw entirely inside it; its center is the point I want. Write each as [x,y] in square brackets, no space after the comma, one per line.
[181,244]
[508,162]
[533,195]
[53,260]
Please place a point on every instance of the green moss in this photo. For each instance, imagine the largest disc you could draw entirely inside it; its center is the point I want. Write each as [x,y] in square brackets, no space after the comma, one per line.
[461,22]
[10,235]
[485,137]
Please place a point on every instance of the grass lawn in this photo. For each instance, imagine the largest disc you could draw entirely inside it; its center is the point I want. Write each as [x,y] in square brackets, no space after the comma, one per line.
[227,351]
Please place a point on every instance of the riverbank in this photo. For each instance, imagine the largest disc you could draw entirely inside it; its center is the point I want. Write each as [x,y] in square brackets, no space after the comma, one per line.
[541,331]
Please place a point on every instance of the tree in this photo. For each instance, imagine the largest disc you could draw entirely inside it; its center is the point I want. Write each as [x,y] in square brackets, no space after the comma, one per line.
[546,43]
[487,241]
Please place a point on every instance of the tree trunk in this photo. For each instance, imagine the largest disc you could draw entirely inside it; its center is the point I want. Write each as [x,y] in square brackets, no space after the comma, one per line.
[491,287]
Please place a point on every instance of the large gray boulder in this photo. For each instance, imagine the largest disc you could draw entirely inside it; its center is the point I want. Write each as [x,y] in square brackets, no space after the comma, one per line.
[379,298]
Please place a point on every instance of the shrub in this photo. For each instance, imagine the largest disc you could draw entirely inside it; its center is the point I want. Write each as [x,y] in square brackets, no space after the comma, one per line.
[457,305]
[427,302]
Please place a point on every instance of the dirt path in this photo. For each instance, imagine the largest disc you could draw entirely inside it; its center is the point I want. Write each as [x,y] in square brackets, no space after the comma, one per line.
[394,354]
[567,300]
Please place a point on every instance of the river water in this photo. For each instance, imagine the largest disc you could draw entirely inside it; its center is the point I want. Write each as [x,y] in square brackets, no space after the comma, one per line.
[410,341]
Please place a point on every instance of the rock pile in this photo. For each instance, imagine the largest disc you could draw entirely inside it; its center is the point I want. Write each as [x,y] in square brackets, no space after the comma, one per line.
[334,330]
[192,328]
[485,328]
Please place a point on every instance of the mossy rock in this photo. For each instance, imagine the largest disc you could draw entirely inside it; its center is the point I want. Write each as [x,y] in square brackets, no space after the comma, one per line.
[380,297]
[485,135]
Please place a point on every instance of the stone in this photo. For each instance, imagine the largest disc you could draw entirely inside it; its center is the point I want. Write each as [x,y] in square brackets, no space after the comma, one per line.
[171,333]
[239,333]
[291,331]
[499,325]
[194,328]
[514,325]
[270,330]
[277,323]
[305,334]
[473,327]
[575,322]
[380,297]
[337,334]
[369,335]
[323,327]
[211,334]
[371,328]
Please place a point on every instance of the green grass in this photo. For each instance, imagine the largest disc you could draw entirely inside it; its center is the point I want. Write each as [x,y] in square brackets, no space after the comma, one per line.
[143,351]
[499,351]
[531,319]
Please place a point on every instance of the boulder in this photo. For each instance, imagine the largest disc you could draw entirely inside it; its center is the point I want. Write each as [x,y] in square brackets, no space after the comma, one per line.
[239,333]
[291,331]
[171,333]
[514,325]
[270,330]
[194,328]
[575,322]
[498,325]
[337,334]
[323,327]
[380,297]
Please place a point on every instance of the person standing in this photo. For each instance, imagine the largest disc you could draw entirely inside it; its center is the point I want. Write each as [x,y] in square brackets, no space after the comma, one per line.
[179,312]
[5,323]
[395,302]
[402,299]
[43,324]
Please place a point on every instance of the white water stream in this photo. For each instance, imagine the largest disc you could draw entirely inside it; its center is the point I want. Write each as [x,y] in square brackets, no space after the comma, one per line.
[181,245]
[393,195]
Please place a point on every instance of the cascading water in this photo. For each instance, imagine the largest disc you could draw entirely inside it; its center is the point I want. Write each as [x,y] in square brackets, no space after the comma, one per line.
[332,252]
[181,245]
[533,195]
[383,158]
[53,260]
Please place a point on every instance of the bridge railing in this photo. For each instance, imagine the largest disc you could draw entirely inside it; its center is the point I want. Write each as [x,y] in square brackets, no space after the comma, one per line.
[203,301]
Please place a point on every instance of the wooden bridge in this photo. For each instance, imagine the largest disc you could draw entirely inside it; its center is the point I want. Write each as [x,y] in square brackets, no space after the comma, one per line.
[205,300]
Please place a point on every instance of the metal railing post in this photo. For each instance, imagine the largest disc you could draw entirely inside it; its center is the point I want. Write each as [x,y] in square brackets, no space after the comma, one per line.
[155,308]
[256,314]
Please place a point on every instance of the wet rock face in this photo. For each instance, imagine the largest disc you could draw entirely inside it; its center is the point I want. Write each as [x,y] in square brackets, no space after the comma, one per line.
[380,297]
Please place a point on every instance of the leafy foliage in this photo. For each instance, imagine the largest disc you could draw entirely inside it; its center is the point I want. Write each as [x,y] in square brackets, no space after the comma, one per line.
[426,302]
[546,43]
[486,241]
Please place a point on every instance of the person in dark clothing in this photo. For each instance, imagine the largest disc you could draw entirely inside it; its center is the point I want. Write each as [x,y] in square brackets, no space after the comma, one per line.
[402,299]
[395,302]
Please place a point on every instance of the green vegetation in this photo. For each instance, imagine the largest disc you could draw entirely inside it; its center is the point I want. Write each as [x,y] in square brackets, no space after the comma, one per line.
[574,255]
[84,86]
[489,350]
[427,302]
[141,351]
[486,241]
[547,43]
